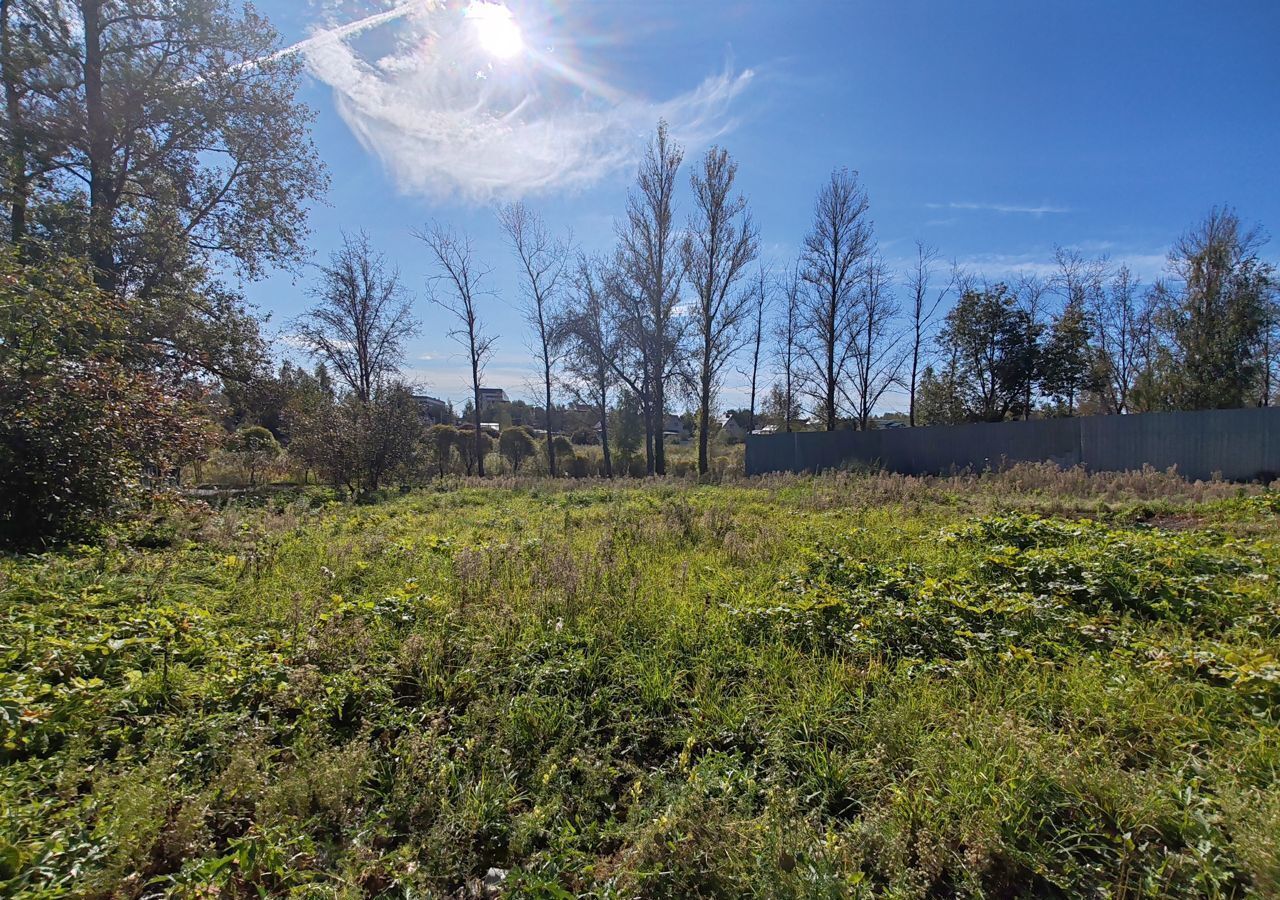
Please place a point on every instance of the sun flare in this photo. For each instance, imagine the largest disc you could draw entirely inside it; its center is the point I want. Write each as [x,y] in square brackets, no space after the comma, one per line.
[496,29]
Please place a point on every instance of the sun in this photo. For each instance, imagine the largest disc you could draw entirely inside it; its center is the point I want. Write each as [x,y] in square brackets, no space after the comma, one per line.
[496,29]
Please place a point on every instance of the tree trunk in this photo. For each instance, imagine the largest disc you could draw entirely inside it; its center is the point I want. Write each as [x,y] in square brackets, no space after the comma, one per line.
[475,385]
[659,428]
[648,439]
[19,182]
[704,427]
[915,366]
[646,408]
[551,447]
[831,386]
[704,407]
[99,147]
[789,397]
[604,426]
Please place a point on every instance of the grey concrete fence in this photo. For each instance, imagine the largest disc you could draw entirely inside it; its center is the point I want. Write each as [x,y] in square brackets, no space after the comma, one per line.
[1236,444]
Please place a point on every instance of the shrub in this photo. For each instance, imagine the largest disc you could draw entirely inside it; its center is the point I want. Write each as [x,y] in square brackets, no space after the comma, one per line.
[563,446]
[516,445]
[467,447]
[441,441]
[565,454]
[359,446]
[586,437]
[89,417]
[256,448]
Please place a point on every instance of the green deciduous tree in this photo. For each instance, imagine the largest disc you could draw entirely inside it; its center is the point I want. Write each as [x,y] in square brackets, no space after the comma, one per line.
[163,141]
[1065,364]
[441,441]
[993,345]
[88,421]
[645,284]
[361,445]
[256,448]
[516,445]
[1212,310]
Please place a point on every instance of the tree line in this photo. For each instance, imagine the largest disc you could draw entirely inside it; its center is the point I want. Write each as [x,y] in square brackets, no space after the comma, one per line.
[156,157]
[838,334]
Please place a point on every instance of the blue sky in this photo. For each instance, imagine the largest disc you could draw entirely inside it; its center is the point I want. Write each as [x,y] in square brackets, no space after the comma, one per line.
[991,130]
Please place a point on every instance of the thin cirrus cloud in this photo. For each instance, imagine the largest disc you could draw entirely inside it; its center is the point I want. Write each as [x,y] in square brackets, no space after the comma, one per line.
[448,121]
[1146,265]
[1040,210]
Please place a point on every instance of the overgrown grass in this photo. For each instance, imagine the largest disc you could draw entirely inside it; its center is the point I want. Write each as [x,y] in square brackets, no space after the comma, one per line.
[1026,684]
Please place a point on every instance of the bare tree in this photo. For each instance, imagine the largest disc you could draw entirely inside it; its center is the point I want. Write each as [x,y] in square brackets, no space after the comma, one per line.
[788,332]
[1033,298]
[543,260]
[592,345]
[631,360]
[1269,351]
[924,311]
[720,243]
[649,273]
[878,354]
[362,319]
[1080,283]
[759,304]
[833,261]
[1078,279]
[1121,323]
[456,289]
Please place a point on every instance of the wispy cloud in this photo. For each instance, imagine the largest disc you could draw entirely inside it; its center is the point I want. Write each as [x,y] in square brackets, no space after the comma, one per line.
[448,121]
[337,33]
[1003,266]
[1040,210]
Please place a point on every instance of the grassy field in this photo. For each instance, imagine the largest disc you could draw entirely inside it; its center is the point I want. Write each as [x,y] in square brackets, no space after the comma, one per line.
[1031,684]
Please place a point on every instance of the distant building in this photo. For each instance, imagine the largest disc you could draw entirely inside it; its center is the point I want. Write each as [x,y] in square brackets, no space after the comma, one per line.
[492,395]
[433,410]
[731,429]
[673,427]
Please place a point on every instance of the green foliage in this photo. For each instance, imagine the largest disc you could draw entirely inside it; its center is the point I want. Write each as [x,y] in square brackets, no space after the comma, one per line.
[939,398]
[516,445]
[1066,365]
[565,454]
[256,447]
[85,409]
[1213,317]
[358,445]
[472,445]
[847,686]
[995,349]
[441,442]
[198,117]
[626,428]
